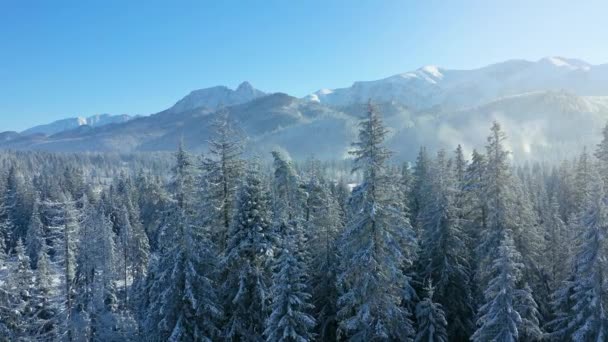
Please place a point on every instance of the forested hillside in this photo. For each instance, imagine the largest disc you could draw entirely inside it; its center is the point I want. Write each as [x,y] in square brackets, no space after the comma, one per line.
[223,247]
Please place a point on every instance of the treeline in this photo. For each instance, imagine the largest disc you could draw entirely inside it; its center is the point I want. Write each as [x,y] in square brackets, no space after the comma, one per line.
[220,248]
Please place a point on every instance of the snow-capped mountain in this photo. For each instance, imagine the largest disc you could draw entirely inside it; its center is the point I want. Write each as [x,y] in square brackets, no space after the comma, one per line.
[215,97]
[435,87]
[72,123]
[550,108]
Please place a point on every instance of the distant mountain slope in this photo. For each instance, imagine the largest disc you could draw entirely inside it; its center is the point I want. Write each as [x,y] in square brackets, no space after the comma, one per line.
[268,122]
[72,123]
[539,125]
[214,97]
[433,107]
[432,86]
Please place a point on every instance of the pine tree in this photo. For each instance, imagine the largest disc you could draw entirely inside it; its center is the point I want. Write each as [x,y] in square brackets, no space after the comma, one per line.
[431,319]
[246,262]
[375,246]
[289,319]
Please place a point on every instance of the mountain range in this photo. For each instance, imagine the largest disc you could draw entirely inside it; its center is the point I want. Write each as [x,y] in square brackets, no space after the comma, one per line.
[72,123]
[549,108]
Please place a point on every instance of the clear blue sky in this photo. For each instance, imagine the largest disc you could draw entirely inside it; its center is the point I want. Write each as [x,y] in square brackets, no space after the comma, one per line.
[60,59]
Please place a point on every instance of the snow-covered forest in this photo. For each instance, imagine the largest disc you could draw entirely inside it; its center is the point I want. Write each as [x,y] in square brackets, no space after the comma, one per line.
[223,247]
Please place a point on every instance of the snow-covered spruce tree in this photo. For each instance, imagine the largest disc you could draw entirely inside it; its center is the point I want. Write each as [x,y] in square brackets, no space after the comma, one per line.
[406,183]
[376,245]
[500,319]
[44,320]
[134,250]
[601,153]
[133,243]
[557,244]
[431,319]
[35,235]
[247,261]
[476,210]
[64,226]
[6,226]
[289,204]
[460,167]
[96,298]
[289,197]
[221,172]
[6,309]
[507,208]
[582,177]
[324,222]
[589,319]
[16,304]
[563,189]
[73,182]
[17,199]
[443,254]
[289,319]
[183,303]
[419,184]
[507,220]
[526,306]
[499,198]
[151,202]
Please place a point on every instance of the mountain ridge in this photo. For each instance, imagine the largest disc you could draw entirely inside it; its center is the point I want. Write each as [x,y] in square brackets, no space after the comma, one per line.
[430,106]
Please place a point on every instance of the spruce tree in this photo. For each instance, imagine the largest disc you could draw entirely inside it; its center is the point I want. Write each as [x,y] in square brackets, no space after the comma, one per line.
[431,319]
[44,321]
[376,245]
[443,254]
[247,261]
[601,153]
[289,319]
[20,286]
[35,235]
[419,184]
[183,304]
[222,169]
[324,222]
[589,314]
[499,319]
